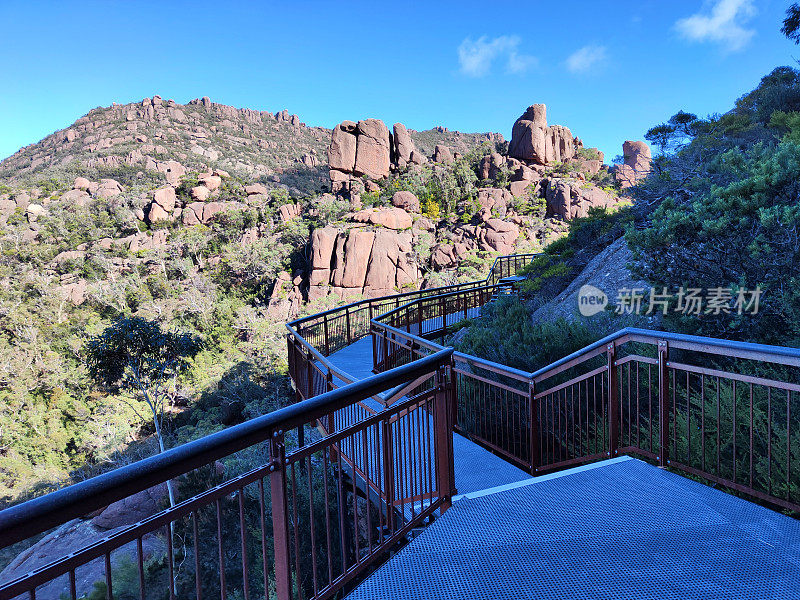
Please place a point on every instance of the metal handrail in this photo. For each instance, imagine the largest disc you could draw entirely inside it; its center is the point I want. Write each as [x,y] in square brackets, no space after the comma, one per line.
[35,516]
[467,285]
[411,342]
[746,350]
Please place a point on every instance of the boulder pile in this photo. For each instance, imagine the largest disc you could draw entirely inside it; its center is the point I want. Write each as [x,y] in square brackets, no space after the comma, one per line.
[368,149]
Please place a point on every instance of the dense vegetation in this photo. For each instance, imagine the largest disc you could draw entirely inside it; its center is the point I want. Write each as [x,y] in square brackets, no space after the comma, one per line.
[719,210]
[722,210]
[52,421]
[55,425]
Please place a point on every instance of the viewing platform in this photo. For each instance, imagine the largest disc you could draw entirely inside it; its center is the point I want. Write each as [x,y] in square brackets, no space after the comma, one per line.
[616,529]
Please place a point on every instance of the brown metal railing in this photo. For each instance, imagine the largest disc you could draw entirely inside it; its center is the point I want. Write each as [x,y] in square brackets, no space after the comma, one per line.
[339,327]
[721,410]
[308,519]
[303,522]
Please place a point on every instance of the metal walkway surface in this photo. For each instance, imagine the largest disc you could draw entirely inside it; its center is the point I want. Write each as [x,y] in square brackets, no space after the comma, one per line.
[617,529]
[475,468]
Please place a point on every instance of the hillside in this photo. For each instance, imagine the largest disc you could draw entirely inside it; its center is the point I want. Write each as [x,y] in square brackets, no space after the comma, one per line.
[224,223]
[158,140]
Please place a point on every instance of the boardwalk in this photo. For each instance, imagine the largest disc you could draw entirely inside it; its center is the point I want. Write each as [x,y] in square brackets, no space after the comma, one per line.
[618,529]
[475,468]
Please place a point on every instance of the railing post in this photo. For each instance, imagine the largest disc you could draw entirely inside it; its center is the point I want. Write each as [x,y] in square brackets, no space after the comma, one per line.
[454,396]
[327,339]
[442,308]
[290,357]
[663,403]
[347,321]
[443,438]
[280,517]
[419,316]
[533,428]
[613,405]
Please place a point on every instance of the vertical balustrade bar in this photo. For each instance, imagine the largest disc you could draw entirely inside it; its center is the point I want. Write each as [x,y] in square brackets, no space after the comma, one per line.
[663,404]
[280,517]
[327,337]
[140,564]
[385,351]
[533,428]
[388,474]
[443,312]
[613,405]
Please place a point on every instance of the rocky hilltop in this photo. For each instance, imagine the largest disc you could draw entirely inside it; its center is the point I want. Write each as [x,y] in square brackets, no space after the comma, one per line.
[520,197]
[157,136]
[162,140]
[399,209]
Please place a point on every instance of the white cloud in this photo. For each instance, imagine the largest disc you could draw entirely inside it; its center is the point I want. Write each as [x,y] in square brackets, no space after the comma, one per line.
[476,57]
[724,25]
[520,63]
[583,59]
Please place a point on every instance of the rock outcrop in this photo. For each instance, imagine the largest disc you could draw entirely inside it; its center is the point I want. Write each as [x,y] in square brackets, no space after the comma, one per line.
[342,151]
[532,140]
[359,149]
[609,272]
[442,154]
[403,146]
[636,165]
[355,262]
[406,200]
[164,200]
[570,200]
[372,149]
[391,218]
[368,149]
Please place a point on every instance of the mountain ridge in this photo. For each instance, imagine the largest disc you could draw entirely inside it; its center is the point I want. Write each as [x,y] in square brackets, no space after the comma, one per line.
[144,139]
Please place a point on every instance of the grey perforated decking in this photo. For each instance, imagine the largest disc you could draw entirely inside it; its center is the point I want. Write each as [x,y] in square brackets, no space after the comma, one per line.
[619,529]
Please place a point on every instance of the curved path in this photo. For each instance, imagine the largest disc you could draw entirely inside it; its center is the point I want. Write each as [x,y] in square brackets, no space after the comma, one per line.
[475,467]
[617,529]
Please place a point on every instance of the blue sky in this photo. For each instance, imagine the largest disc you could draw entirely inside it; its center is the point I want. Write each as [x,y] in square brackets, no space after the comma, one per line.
[608,70]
